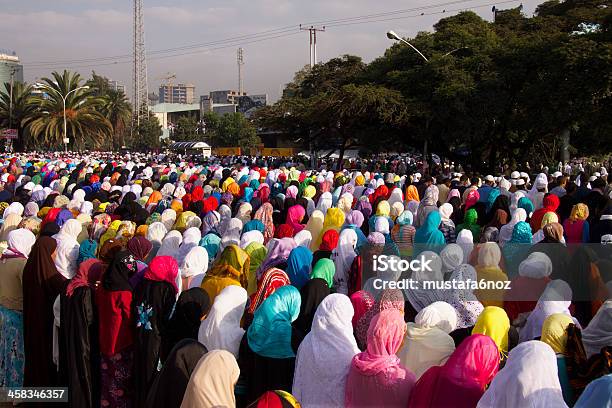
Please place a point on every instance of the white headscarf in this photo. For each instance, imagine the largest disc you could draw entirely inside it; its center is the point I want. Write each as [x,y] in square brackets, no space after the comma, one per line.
[303,238]
[556,298]
[156,233]
[325,202]
[467,306]
[421,298]
[446,210]
[452,257]
[395,197]
[195,262]
[251,236]
[343,256]
[225,214]
[529,379]
[505,232]
[14,208]
[168,217]
[67,250]
[324,357]
[212,382]
[231,236]
[465,239]
[427,342]
[170,244]
[598,333]
[536,266]
[20,241]
[221,329]
[191,239]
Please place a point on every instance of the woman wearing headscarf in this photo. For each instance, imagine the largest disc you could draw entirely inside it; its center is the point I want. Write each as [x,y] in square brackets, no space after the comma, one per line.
[329,242]
[550,204]
[194,267]
[429,237]
[271,280]
[299,265]
[421,297]
[264,214]
[505,232]
[447,226]
[488,269]
[515,250]
[343,256]
[463,300]
[427,341]
[67,250]
[598,334]
[390,299]
[211,243]
[80,337]
[554,247]
[295,215]
[113,299]
[428,204]
[221,330]
[324,357]
[12,263]
[135,254]
[41,284]
[403,234]
[212,381]
[576,227]
[230,268]
[324,269]
[278,256]
[379,368]
[597,394]
[529,379]
[266,356]
[170,384]
[11,223]
[534,276]
[465,240]
[554,333]
[462,380]
[494,322]
[470,222]
[588,289]
[155,234]
[191,306]
[257,253]
[152,305]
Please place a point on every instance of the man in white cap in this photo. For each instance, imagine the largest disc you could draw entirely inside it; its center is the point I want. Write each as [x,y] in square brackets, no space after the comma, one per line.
[486,188]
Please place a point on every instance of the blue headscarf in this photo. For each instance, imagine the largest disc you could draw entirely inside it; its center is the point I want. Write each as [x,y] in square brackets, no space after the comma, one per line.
[429,232]
[493,194]
[270,333]
[211,243]
[597,394]
[298,266]
[62,217]
[521,233]
[526,205]
[87,250]
[254,225]
[248,194]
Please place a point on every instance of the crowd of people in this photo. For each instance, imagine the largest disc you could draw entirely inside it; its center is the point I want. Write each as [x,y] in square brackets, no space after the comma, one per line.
[156,281]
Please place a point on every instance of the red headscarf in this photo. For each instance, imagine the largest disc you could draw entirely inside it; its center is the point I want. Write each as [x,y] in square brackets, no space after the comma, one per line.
[89,272]
[50,217]
[271,280]
[284,231]
[197,194]
[163,269]
[210,204]
[329,241]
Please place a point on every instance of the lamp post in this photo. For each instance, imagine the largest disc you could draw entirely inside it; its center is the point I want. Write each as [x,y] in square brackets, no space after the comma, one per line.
[64,97]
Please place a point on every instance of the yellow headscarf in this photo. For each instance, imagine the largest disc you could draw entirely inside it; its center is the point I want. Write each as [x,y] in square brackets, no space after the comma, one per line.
[579,212]
[110,233]
[182,220]
[549,218]
[141,231]
[334,219]
[226,184]
[554,331]
[412,194]
[229,269]
[494,322]
[315,225]
[359,180]
[177,206]
[383,208]
[310,191]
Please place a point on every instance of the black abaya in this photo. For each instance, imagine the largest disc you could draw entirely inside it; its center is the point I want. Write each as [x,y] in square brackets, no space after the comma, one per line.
[151,305]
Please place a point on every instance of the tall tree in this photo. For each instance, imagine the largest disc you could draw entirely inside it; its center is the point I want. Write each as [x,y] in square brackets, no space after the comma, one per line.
[118,111]
[16,114]
[86,125]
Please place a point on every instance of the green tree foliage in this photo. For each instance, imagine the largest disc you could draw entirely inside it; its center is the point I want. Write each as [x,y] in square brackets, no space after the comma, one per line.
[16,114]
[86,125]
[147,135]
[186,129]
[231,129]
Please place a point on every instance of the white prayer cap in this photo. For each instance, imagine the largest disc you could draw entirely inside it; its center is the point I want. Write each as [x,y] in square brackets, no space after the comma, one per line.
[515,175]
[489,178]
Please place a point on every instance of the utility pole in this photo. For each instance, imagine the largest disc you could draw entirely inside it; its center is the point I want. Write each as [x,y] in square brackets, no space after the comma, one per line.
[313,42]
[141,97]
[9,142]
[240,65]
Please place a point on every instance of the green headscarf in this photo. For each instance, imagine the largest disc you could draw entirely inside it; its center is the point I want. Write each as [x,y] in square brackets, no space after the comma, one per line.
[324,269]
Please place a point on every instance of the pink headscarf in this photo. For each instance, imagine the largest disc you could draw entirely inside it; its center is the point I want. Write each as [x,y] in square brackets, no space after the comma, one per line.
[471,199]
[461,381]
[163,269]
[295,214]
[292,192]
[362,302]
[453,193]
[379,368]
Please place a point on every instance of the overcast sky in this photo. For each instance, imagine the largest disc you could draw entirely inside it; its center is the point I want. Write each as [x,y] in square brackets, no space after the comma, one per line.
[58,30]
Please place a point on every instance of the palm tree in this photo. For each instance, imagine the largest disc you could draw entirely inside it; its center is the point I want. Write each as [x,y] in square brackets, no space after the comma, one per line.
[13,115]
[86,125]
[118,111]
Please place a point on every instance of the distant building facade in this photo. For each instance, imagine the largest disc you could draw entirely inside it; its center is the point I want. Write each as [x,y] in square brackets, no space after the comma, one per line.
[10,66]
[181,93]
[224,97]
[248,104]
[116,86]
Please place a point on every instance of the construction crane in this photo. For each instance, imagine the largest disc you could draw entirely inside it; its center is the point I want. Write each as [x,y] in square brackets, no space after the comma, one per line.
[167,78]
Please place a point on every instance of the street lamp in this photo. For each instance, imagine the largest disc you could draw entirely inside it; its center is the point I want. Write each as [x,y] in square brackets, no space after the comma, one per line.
[64,97]
[392,36]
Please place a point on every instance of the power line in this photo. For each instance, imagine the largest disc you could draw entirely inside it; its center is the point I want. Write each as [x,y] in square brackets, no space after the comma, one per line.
[257,37]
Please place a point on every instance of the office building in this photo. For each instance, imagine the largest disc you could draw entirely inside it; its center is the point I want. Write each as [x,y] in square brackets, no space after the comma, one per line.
[223,97]
[181,93]
[116,86]
[10,66]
